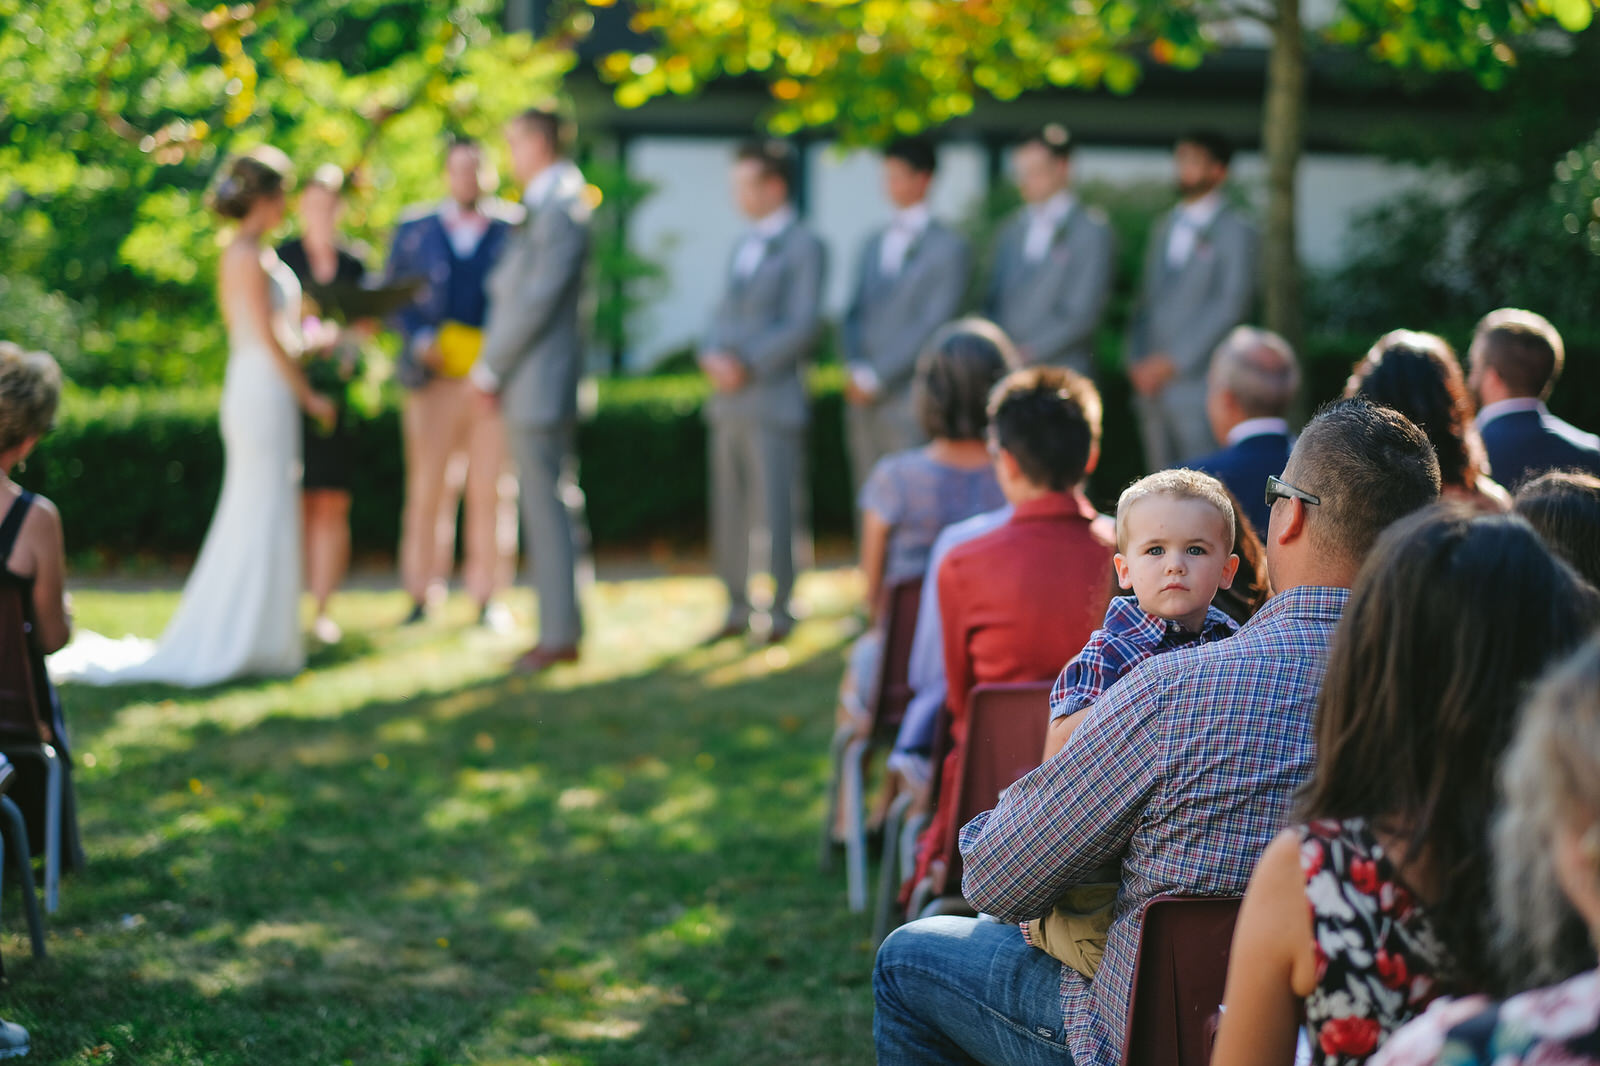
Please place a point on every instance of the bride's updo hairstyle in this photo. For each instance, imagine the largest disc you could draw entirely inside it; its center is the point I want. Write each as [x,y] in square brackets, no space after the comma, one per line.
[246,180]
[30,390]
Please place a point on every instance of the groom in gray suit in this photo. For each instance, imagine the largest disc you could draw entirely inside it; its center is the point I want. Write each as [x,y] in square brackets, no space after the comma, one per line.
[911,280]
[754,353]
[1199,283]
[529,367]
[1053,261]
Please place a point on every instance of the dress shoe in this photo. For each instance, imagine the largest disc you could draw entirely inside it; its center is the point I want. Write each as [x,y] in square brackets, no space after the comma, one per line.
[418,615]
[728,631]
[541,659]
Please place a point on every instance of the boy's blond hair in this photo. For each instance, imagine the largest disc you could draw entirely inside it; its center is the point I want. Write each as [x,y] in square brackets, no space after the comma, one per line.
[1177,485]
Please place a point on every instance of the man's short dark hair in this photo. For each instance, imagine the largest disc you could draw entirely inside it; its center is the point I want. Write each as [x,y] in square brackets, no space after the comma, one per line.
[1053,137]
[775,158]
[1048,418]
[548,124]
[1369,465]
[1212,143]
[1523,349]
[918,153]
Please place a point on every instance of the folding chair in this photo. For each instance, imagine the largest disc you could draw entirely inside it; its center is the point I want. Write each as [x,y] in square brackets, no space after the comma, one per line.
[1006,726]
[850,751]
[25,730]
[1178,979]
[14,839]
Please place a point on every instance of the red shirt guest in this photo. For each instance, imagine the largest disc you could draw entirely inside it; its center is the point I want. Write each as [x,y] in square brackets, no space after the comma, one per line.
[1017,603]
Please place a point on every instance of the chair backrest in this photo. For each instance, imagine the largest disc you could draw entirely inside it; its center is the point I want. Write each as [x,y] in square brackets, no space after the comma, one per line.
[1006,727]
[902,600]
[1178,980]
[21,716]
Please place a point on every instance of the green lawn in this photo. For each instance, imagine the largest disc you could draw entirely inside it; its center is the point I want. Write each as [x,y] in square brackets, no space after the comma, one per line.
[402,856]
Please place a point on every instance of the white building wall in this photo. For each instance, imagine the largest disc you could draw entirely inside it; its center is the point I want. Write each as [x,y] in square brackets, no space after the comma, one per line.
[689,224]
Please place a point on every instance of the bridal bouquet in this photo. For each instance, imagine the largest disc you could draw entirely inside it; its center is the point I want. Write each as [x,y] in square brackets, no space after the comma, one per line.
[334,359]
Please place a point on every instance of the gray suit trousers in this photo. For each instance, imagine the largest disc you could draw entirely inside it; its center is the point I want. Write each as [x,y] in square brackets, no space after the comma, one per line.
[755,486]
[553,525]
[1173,424]
[878,430]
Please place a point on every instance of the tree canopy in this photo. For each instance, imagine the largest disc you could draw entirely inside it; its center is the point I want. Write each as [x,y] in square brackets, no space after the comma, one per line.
[876,67]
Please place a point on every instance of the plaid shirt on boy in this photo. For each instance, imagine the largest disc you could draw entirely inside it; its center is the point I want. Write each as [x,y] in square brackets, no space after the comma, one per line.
[1129,635]
[1183,772]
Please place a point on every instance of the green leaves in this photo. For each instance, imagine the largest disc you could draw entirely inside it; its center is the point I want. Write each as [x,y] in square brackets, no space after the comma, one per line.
[1576,193]
[873,68]
[1574,15]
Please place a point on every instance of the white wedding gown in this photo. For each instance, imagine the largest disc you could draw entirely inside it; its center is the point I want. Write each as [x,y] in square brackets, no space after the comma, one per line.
[240,612]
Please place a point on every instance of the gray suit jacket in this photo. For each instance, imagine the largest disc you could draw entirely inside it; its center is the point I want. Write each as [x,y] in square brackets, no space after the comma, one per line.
[1053,307]
[891,319]
[771,321]
[532,340]
[1186,312]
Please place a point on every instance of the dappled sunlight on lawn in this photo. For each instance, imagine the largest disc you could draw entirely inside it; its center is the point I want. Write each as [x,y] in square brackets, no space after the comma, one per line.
[405,856]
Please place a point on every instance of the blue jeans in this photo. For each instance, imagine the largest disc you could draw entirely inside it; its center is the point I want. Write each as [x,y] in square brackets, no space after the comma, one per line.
[966,990]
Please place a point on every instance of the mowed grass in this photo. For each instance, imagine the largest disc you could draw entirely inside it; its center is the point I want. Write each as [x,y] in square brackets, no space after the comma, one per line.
[404,856]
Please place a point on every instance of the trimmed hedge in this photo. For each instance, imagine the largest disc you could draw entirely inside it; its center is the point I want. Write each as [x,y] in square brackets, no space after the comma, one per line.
[136,472]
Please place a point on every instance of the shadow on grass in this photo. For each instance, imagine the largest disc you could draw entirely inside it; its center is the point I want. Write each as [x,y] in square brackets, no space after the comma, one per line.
[505,872]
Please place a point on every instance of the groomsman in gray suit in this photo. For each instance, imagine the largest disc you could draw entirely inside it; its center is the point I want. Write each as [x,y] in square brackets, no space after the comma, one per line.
[1053,261]
[1199,283]
[911,279]
[754,353]
[529,367]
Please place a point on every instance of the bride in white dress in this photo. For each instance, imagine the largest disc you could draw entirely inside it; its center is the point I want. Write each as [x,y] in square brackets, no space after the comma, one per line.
[240,612]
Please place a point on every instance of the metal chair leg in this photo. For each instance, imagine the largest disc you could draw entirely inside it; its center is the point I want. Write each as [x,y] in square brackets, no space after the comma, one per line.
[889,871]
[15,833]
[841,740]
[52,829]
[855,830]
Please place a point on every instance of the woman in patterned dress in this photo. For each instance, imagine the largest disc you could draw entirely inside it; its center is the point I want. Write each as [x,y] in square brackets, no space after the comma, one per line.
[1377,899]
[1547,856]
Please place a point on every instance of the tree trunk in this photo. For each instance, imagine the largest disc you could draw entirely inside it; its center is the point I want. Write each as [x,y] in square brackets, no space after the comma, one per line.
[1282,129]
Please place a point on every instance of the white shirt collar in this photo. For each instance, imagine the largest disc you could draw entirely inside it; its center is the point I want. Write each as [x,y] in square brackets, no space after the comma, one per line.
[1054,209]
[1256,427]
[1501,408]
[913,219]
[1200,213]
[451,212]
[539,187]
[770,226]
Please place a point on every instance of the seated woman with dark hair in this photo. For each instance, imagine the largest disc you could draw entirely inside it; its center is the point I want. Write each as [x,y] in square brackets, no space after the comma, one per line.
[912,495]
[1377,899]
[1564,506]
[1547,864]
[33,565]
[1418,375]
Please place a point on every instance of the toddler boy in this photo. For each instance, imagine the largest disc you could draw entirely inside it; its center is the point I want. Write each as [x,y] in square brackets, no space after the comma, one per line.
[1175,532]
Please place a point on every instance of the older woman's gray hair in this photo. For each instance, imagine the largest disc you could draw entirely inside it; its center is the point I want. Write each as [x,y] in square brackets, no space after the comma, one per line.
[30,390]
[955,372]
[1550,774]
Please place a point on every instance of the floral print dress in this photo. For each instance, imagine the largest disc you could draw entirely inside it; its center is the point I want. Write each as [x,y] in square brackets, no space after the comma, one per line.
[1556,1026]
[1379,961]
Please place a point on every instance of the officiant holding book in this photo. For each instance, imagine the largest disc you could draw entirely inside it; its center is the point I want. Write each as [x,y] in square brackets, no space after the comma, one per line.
[453,449]
[321,260]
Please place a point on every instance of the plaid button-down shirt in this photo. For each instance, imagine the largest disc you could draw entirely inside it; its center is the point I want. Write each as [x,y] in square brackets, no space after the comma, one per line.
[1129,635]
[1183,771]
